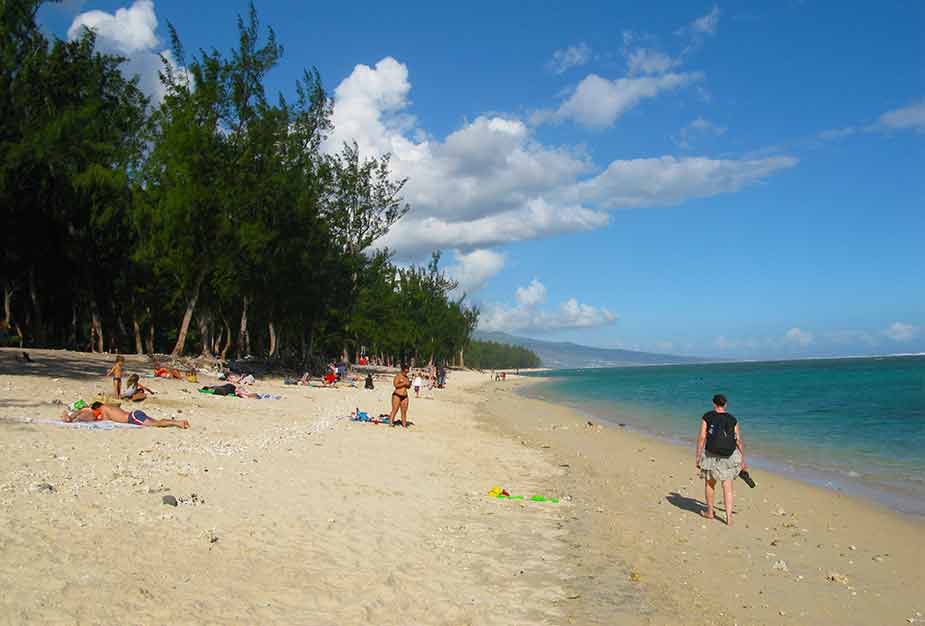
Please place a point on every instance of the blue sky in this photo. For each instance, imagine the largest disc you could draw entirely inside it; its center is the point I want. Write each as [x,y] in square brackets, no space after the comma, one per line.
[731,179]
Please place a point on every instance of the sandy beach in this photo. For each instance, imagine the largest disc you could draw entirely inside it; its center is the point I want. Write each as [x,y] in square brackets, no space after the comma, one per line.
[289,513]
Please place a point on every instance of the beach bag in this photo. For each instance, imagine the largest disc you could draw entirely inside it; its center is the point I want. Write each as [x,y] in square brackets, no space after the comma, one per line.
[721,434]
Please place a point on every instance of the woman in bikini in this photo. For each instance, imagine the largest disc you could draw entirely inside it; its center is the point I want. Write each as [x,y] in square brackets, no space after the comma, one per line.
[400,396]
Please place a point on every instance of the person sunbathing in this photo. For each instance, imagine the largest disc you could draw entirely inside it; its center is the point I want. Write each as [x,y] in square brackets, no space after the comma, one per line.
[98,411]
[168,372]
[229,389]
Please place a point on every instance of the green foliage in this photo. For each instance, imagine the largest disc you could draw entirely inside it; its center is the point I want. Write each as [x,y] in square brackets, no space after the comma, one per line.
[492,355]
[213,215]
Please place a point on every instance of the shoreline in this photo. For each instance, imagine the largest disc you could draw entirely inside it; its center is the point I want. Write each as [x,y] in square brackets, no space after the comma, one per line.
[880,494]
[797,553]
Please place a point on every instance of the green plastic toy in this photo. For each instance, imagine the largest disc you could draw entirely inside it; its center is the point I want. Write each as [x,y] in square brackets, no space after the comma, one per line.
[532,498]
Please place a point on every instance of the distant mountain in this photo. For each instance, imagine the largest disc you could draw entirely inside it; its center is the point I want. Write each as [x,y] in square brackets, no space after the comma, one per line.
[567,355]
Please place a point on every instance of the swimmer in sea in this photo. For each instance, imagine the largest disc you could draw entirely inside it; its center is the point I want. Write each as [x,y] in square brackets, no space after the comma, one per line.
[400,396]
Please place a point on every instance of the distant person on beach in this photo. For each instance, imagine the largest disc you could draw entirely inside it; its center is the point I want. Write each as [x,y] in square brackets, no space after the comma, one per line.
[369,382]
[400,398]
[116,372]
[720,454]
[418,383]
[98,411]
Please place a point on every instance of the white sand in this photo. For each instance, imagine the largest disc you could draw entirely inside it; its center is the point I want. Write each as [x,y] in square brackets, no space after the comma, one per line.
[308,519]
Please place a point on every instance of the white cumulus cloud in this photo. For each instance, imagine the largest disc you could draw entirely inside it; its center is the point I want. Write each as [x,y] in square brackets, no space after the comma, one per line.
[668,180]
[531,295]
[473,269]
[126,31]
[899,331]
[491,182]
[649,61]
[598,102]
[799,337]
[528,315]
[131,33]
[567,58]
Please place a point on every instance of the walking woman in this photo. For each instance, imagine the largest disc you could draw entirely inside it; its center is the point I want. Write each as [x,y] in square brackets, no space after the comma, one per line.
[400,396]
[720,454]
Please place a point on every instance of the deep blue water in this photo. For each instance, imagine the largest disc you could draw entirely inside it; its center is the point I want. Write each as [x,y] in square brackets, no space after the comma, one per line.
[853,424]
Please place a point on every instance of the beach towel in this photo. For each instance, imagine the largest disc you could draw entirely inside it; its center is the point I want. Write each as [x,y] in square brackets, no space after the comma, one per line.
[102,425]
[363,416]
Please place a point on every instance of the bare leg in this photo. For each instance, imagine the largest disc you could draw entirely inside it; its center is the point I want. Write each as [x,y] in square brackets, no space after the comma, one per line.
[708,491]
[404,412]
[166,423]
[727,500]
[395,403]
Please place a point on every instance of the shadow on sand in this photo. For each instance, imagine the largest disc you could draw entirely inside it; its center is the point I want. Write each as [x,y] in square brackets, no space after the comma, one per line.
[690,504]
[60,364]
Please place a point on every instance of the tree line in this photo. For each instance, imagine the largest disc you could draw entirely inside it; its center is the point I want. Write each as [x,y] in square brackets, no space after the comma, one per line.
[493,355]
[212,222]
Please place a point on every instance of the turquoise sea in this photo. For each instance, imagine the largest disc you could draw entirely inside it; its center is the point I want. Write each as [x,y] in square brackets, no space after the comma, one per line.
[852,424]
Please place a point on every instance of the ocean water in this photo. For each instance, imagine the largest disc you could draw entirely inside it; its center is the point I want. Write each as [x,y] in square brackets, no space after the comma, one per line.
[852,424]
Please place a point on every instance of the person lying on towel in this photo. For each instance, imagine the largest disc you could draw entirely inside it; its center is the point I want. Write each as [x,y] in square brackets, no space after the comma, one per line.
[98,411]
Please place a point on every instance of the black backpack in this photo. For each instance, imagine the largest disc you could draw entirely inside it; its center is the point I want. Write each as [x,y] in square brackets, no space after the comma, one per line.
[721,434]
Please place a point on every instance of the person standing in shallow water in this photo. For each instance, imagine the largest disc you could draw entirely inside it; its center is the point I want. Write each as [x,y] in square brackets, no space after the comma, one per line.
[720,454]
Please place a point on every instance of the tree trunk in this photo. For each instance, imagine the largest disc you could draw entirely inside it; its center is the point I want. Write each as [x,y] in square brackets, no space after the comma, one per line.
[217,339]
[151,338]
[188,316]
[75,329]
[8,306]
[227,338]
[244,343]
[204,335]
[136,327]
[96,329]
[272,330]
[38,328]
[123,333]
[462,361]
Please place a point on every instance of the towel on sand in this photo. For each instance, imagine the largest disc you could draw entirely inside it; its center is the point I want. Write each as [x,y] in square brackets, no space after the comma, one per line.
[101,425]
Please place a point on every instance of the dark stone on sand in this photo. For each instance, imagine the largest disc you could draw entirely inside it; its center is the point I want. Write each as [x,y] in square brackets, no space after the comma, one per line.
[169,500]
[621,425]
[45,488]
